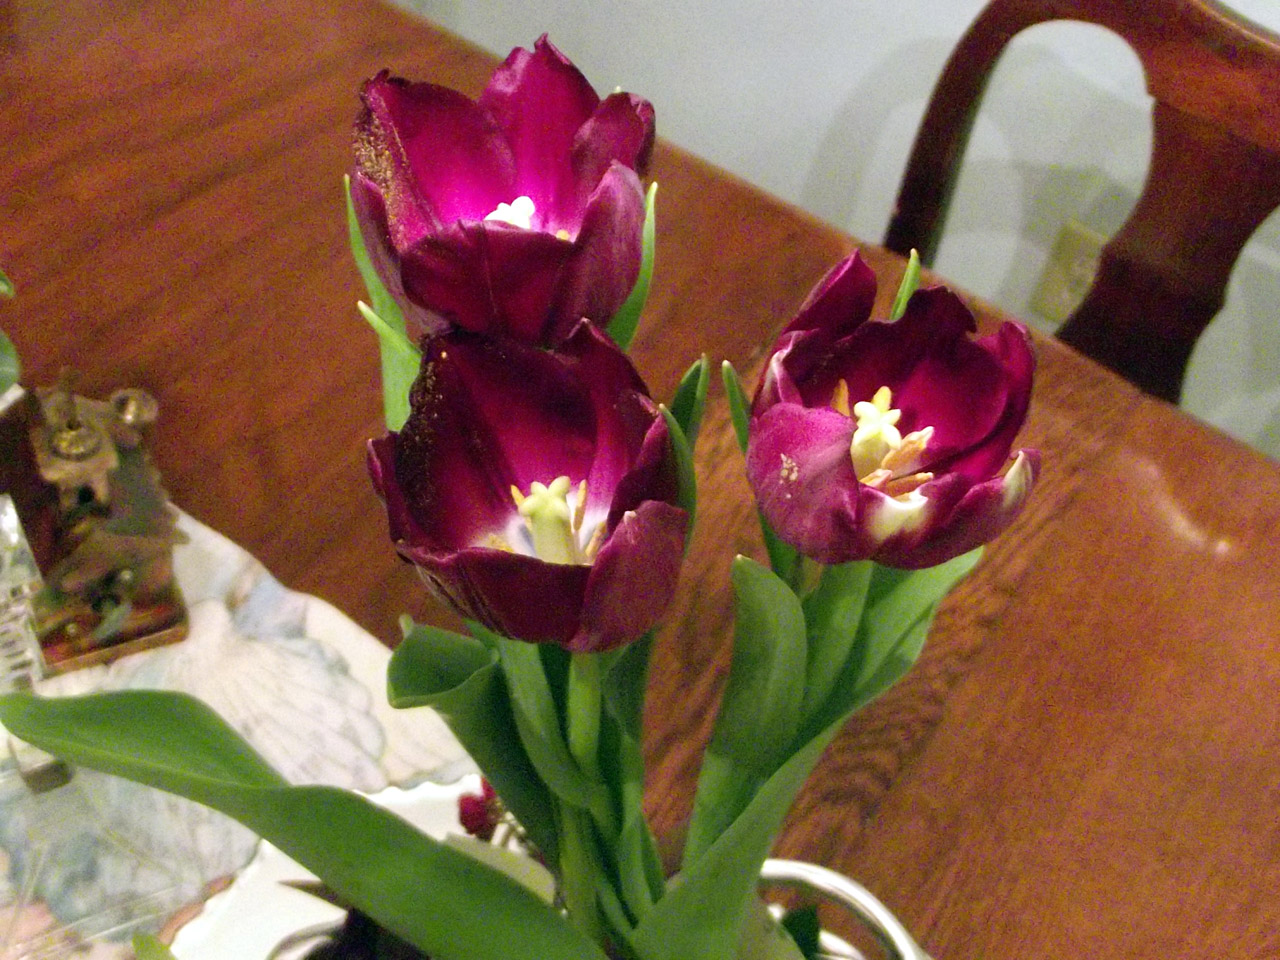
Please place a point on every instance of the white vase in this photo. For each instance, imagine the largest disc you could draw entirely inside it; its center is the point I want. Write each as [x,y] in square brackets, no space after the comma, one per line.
[811,882]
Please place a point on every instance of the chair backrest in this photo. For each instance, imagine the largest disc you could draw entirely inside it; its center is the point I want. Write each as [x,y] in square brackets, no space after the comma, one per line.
[1214,174]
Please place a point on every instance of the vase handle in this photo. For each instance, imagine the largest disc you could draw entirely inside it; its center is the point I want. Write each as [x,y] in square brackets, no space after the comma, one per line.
[856,900]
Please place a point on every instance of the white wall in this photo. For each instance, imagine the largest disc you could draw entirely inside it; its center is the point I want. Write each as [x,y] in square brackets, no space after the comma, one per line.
[818,102]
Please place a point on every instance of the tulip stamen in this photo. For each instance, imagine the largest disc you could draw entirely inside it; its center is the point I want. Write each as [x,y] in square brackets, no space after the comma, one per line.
[840,399]
[900,487]
[593,545]
[882,457]
[555,528]
[496,541]
[908,457]
[580,508]
[518,213]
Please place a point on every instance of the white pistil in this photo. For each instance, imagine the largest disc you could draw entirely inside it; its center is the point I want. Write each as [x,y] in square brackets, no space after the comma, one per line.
[554,528]
[519,213]
[882,457]
[877,433]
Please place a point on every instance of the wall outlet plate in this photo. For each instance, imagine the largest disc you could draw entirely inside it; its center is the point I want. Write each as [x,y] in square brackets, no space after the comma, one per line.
[1069,271]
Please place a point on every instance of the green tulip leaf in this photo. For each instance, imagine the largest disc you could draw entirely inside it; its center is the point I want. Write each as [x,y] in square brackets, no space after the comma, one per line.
[764,938]
[897,600]
[761,710]
[461,679]
[442,901]
[805,929]
[691,399]
[832,613]
[401,361]
[400,356]
[686,475]
[899,609]
[782,556]
[622,327]
[537,721]
[910,282]
[739,406]
[10,368]
[703,914]
[639,866]
[6,287]
[516,864]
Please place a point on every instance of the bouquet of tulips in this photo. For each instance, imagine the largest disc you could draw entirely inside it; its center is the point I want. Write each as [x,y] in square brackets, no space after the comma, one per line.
[542,493]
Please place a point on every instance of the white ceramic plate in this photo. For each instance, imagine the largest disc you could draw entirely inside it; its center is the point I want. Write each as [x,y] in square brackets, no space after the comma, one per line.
[248,919]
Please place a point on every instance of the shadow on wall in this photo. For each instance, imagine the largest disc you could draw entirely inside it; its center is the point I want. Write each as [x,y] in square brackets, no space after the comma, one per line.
[1050,144]
[820,105]
[1064,136]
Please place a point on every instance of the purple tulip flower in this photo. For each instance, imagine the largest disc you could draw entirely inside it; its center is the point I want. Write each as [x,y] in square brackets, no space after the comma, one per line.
[535,490]
[514,215]
[885,441]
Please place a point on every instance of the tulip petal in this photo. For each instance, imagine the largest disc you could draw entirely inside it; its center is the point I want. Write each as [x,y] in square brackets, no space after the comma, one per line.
[896,526]
[488,277]
[511,594]
[621,130]
[835,308]
[381,457]
[487,416]
[983,513]
[433,153]
[634,577]
[879,354]
[607,253]
[841,302]
[539,100]
[651,476]
[953,383]
[1011,348]
[371,214]
[630,452]
[799,467]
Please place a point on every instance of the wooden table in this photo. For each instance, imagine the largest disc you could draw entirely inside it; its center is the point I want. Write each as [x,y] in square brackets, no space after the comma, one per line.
[1087,761]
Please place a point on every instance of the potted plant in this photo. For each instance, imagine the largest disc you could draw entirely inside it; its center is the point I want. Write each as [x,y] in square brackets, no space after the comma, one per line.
[507,243]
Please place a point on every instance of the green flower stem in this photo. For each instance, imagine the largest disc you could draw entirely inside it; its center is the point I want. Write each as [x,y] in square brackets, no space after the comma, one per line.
[585,703]
[584,712]
[578,871]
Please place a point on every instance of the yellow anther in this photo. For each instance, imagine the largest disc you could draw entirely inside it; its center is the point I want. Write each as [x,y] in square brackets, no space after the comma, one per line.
[840,399]
[580,508]
[902,486]
[593,545]
[910,454]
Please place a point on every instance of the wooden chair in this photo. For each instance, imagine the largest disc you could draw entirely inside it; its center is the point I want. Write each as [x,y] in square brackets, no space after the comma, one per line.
[1214,174]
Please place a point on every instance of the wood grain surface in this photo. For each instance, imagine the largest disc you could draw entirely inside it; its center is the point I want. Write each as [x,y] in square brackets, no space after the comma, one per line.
[1087,760]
